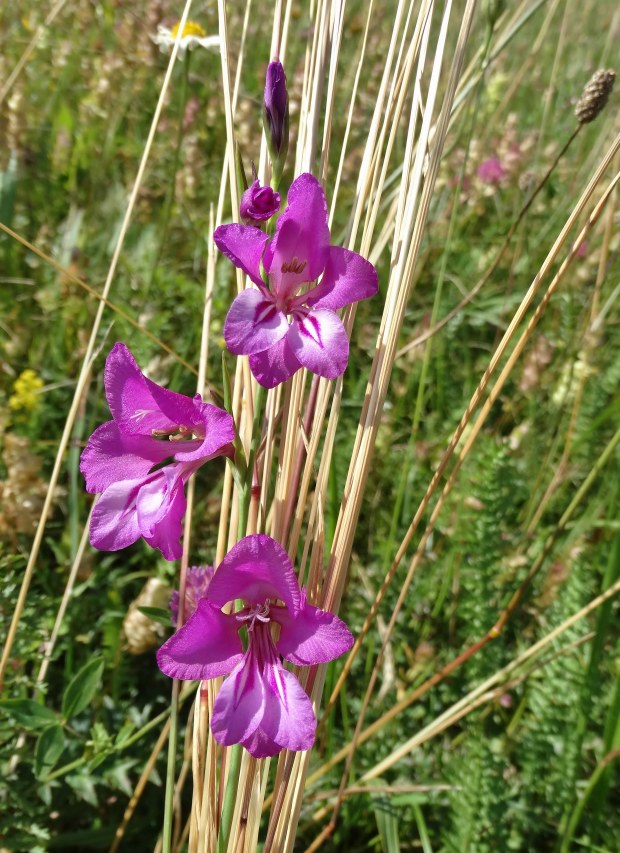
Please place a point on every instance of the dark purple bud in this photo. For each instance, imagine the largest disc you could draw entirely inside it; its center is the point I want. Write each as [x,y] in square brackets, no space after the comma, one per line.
[259,203]
[275,115]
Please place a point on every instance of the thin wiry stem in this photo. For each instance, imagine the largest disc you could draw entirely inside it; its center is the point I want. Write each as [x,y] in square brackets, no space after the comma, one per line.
[89,357]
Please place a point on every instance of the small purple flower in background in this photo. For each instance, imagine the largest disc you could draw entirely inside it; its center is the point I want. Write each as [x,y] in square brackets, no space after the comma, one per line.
[261,705]
[279,327]
[275,116]
[196,585]
[150,425]
[259,203]
[491,171]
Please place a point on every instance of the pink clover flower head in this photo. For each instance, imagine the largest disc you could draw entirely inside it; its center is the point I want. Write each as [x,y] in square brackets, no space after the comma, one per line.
[285,326]
[261,705]
[259,203]
[196,586]
[491,171]
[150,424]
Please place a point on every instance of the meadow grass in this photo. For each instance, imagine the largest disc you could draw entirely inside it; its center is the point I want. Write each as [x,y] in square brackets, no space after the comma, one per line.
[454,496]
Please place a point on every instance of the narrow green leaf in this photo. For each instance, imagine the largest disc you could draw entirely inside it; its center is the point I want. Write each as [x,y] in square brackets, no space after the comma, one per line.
[82,688]
[28,713]
[48,750]
[157,614]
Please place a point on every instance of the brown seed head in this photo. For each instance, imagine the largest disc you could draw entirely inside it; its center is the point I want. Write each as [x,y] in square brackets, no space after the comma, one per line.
[595,95]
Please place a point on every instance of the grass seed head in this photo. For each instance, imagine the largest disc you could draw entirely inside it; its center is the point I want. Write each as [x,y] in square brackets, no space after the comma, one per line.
[595,95]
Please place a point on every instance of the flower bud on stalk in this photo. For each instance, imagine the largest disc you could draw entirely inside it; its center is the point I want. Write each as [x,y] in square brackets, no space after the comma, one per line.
[259,203]
[275,118]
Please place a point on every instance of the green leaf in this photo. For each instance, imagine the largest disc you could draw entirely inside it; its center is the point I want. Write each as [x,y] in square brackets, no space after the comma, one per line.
[157,614]
[82,688]
[48,750]
[28,713]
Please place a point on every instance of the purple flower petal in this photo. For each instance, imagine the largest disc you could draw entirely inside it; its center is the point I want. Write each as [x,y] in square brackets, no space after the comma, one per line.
[207,646]
[218,429]
[139,405]
[111,456]
[160,507]
[151,507]
[261,705]
[114,521]
[274,365]
[348,277]
[243,245]
[257,568]
[253,323]
[313,636]
[239,705]
[318,339]
[302,236]
[259,203]
[288,720]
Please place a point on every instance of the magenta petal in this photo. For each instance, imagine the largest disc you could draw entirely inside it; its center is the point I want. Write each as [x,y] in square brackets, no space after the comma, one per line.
[348,277]
[308,241]
[313,636]
[111,456]
[292,253]
[218,429]
[114,521]
[319,341]
[274,365]
[289,720]
[253,323]
[256,568]
[239,705]
[243,245]
[137,404]
[160,507]
[207,646]
[261,705]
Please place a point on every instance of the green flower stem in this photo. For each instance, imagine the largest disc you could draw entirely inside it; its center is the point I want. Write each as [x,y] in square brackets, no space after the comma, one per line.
[229,798]
[245,496]
[171,768]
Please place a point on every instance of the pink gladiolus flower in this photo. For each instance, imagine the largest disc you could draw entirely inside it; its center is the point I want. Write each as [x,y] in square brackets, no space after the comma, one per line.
[491,171]
[259,203]
[261,705]
[150,425]
[283,327]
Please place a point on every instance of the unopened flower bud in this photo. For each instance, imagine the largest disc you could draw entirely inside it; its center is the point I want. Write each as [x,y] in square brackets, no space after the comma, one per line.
[275,116]
[493,9]
[595,95]
[259,203]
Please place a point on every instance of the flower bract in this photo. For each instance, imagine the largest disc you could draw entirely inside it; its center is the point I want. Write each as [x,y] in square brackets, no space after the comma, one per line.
[150,424]
[291,322]
[261,705]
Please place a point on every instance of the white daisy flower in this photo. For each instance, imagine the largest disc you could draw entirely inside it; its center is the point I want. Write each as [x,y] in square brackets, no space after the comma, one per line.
[193,34]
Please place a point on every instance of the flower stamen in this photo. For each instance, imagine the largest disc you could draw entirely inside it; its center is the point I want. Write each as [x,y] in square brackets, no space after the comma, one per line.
[295,266]
[259,611]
